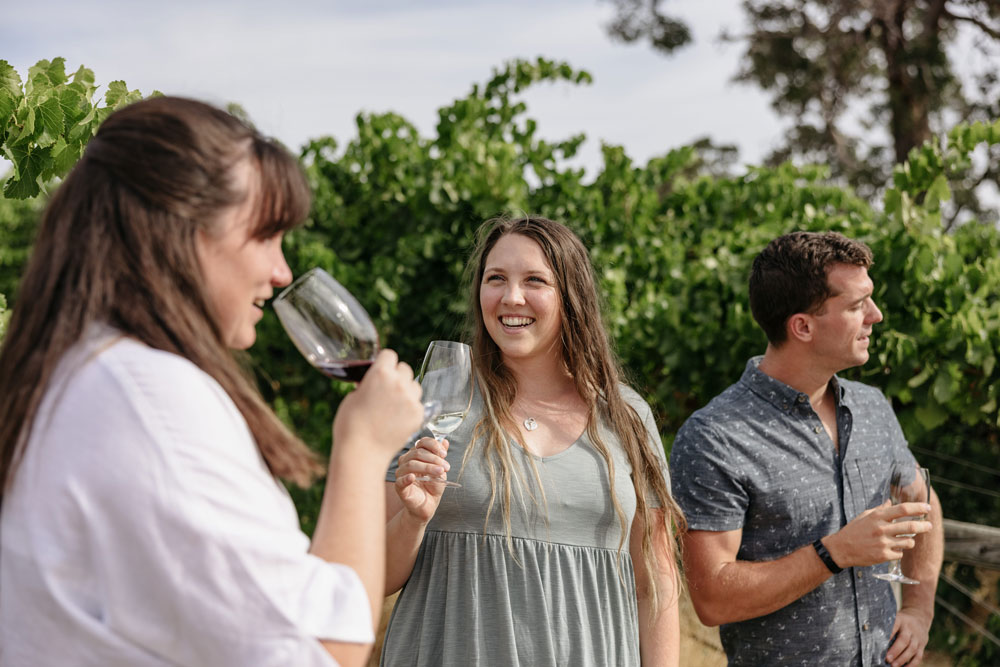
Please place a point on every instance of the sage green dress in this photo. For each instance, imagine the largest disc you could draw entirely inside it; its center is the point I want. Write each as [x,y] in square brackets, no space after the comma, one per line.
[562,592]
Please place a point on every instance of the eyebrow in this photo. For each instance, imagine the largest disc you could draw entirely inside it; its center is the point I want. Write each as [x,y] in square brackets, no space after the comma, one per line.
[863,297]
[500,269]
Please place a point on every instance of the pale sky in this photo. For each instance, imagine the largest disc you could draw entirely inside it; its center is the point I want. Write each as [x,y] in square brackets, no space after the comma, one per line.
[305,68]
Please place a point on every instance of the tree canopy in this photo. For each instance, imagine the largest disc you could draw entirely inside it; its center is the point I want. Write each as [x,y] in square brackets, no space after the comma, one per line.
[863,83]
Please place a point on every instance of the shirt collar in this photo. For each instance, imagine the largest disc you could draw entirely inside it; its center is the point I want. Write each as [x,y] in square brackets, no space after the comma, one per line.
[777,392]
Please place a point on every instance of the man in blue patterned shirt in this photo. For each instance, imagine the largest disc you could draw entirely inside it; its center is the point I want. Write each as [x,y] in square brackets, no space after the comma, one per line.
[783,479]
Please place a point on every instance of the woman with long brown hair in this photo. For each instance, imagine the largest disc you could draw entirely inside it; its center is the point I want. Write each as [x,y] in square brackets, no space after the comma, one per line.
[558,549]
[142,521]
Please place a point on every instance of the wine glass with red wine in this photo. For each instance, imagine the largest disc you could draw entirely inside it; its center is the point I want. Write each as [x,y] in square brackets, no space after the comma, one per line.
[328,325]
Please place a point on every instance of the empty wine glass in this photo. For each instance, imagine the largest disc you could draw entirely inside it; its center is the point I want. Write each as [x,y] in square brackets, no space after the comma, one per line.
[328,325]
[907,483]
[446,378]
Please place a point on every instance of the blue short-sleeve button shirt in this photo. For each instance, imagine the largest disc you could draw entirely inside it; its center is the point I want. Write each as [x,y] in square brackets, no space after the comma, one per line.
[758,459]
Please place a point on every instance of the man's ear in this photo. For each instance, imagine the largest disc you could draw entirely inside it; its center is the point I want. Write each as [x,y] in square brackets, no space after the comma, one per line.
[800,327]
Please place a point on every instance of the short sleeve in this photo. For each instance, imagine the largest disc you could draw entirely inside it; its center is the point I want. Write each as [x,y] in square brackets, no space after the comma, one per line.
[706,483]
[198,548]
[653,440]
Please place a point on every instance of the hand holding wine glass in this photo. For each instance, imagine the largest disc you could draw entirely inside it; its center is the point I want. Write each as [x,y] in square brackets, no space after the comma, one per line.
[907,483]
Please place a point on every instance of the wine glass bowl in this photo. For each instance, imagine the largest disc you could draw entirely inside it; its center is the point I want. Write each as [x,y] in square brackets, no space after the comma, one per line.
[328,325]
[446,379]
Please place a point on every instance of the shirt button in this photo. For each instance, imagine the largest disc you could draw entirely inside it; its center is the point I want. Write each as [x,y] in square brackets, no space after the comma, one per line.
[818,429]
[864,627]
[801,398]
[861,575]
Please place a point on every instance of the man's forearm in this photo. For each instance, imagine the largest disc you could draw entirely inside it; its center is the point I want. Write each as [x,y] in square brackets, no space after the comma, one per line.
[741,590]
[923,563]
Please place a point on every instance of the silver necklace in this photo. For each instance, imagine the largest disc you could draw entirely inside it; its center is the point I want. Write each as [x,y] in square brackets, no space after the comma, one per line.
[530,424]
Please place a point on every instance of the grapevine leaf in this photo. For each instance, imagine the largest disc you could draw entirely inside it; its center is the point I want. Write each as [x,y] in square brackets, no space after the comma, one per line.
[85,77]
[25,119]
[50,72]
[31,163]
[74,104]
[84,127]
[64,156]
[10,80]
[119,95]
[10,90]
[52,121]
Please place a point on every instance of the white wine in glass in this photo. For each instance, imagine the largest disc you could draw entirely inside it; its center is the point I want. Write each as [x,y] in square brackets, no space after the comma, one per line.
[907,483]
[446,378]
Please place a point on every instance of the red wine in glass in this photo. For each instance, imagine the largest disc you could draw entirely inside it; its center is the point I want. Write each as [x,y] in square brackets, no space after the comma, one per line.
[331,329]
[328,325]
[349,371]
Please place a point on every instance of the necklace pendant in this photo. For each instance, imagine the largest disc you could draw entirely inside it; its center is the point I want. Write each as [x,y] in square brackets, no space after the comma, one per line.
[530,424]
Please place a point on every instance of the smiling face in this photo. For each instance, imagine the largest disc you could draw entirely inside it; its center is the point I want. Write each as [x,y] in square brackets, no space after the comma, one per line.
[844,322]
[240,272]
[520,299]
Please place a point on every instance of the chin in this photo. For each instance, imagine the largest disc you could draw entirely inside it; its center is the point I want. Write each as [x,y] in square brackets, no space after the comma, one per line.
[243,342]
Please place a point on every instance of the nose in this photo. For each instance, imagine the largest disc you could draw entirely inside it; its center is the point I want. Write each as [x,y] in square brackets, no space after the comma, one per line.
[874,314]
[513,295]
[281,274]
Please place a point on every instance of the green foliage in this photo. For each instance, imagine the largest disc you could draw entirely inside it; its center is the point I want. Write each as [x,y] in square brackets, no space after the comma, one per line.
[46,121]
[18,220]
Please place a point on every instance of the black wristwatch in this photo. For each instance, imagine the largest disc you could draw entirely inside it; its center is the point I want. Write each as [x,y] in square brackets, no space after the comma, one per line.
[825,556]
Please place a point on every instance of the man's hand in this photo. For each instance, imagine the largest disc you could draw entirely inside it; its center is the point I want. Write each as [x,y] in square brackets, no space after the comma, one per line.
[872,537]
[910,632]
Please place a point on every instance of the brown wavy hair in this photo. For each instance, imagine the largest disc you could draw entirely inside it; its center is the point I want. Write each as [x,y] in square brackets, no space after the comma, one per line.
[597,374]
[116,245]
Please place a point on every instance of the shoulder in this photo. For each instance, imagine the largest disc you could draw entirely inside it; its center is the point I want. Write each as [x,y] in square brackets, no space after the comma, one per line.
[117,392]
[632,398]
[725,409]
[865,400]
[859,392]
[154,382]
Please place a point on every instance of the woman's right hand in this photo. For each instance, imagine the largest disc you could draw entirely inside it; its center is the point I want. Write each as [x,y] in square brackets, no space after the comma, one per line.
[384,411]
[426,458]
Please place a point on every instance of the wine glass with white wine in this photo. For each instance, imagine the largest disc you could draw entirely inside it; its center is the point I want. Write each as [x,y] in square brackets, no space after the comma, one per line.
[907,483]
[446,378]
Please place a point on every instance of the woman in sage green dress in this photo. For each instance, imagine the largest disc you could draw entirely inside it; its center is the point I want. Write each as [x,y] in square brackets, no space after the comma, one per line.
[558,548]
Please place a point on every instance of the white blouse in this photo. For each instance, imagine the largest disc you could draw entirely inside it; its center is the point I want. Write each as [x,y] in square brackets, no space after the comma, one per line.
[143,528]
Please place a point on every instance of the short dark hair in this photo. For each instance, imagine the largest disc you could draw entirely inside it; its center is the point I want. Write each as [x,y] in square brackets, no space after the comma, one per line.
[789,276]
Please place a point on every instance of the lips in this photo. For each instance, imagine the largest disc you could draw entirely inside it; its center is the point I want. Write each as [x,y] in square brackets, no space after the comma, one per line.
[515,321]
